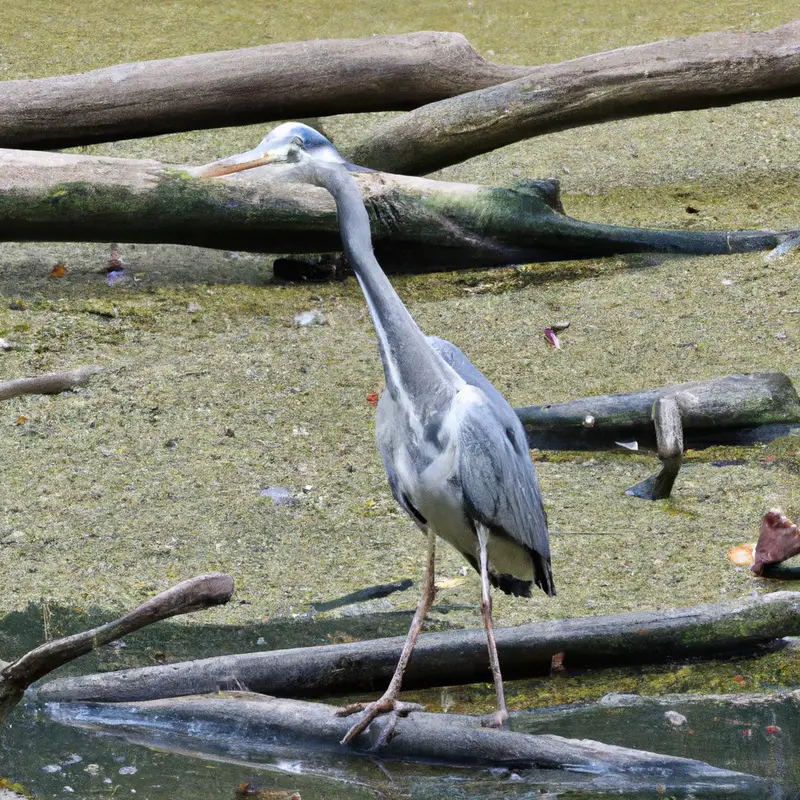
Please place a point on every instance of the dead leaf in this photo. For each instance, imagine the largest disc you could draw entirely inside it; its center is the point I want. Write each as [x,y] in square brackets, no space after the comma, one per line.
[449,583]
[58,271]
[21,419]
[372,399]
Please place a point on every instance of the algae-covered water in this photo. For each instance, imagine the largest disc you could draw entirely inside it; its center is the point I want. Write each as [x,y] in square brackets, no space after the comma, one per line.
[211,392]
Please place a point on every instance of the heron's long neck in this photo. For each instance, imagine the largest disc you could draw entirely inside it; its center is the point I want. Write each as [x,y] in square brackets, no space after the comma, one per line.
[411,366]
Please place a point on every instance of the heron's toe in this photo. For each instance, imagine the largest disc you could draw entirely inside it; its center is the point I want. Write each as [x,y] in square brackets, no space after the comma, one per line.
[496,720]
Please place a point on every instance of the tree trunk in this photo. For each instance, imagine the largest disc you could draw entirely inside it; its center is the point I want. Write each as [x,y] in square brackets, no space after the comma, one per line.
[416,223]
[204,591]
[713,69]
[274,726]
[240,87]
[457,657]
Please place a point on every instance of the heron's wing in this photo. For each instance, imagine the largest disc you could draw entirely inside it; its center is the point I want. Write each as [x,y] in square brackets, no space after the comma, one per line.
[498,481]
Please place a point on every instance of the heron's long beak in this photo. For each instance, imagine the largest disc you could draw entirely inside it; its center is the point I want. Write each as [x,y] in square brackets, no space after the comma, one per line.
[281,152]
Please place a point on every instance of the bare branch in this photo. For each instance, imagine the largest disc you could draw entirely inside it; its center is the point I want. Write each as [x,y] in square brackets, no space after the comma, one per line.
[713,69]
[240,87]
[49,383]
[417,224]
[457,656]
[204,591]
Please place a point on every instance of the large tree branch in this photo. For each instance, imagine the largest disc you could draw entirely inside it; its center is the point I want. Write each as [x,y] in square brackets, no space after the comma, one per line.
[238,87]
[457,656]
[713,69]
[416,223]
[191,595]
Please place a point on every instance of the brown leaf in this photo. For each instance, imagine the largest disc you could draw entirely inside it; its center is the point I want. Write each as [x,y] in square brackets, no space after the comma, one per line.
[58,271]
[778,540]
[372,399]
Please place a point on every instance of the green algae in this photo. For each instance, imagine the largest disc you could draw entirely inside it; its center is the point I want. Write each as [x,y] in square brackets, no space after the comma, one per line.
[211,392]
[763,672]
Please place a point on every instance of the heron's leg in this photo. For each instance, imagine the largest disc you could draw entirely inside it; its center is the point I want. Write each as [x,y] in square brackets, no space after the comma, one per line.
[389,702]
[496,720]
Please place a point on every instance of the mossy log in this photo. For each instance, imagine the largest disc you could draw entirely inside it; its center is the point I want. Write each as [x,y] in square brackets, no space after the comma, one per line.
[732,401]
[712,69]
[456,657]
[191,595]
[273,725]
[240,87]
[416,223]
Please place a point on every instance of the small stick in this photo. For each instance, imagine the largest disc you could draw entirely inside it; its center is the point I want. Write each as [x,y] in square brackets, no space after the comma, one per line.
[49,383]
[669,443]
[192,595]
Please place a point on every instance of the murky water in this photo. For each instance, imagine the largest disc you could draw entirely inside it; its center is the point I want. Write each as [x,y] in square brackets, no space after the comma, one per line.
[110,514]
[94,751]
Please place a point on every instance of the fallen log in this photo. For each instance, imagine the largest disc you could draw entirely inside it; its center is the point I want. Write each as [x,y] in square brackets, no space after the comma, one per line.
[204,591]
[258,724]
[457,656]
[240,87]
[732,401]
[416,223]
[712,69]
[49,383]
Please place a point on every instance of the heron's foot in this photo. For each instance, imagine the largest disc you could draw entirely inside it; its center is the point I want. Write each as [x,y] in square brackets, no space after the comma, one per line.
[496,720]
[386,705]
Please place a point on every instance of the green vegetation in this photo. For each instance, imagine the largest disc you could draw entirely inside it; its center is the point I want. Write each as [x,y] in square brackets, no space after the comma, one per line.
[211,392]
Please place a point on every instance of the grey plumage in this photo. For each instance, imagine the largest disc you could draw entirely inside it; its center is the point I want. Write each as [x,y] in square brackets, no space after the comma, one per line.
[455,452]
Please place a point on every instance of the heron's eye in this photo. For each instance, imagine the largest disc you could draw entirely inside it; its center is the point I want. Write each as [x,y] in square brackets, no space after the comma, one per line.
[297,140]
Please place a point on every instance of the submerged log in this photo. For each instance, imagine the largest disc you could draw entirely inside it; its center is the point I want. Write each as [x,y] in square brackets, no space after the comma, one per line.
[204,591]
[732,401]
[49,383]
[416,223]
[240,87]
[712,69]
[457,656]
[262,723]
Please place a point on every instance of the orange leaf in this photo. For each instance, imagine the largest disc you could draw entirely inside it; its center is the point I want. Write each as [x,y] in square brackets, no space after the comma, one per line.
[21,419]
[741,556]
[739,679]
[372,399]
[58,271]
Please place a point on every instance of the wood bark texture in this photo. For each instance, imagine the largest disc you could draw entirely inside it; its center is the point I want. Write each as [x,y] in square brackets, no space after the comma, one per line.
[712,69]
[313,728]
[669,443]
[204,591]
[241,87]
[417,224]
[457,656]
[727,402]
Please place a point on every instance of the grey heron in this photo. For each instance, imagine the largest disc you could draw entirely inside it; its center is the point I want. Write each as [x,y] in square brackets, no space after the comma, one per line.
[455,453]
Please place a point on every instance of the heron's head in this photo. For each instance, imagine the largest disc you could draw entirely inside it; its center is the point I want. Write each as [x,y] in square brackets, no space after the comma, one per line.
[289,143]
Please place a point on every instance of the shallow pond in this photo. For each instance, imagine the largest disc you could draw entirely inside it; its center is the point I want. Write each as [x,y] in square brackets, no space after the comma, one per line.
[211,393]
